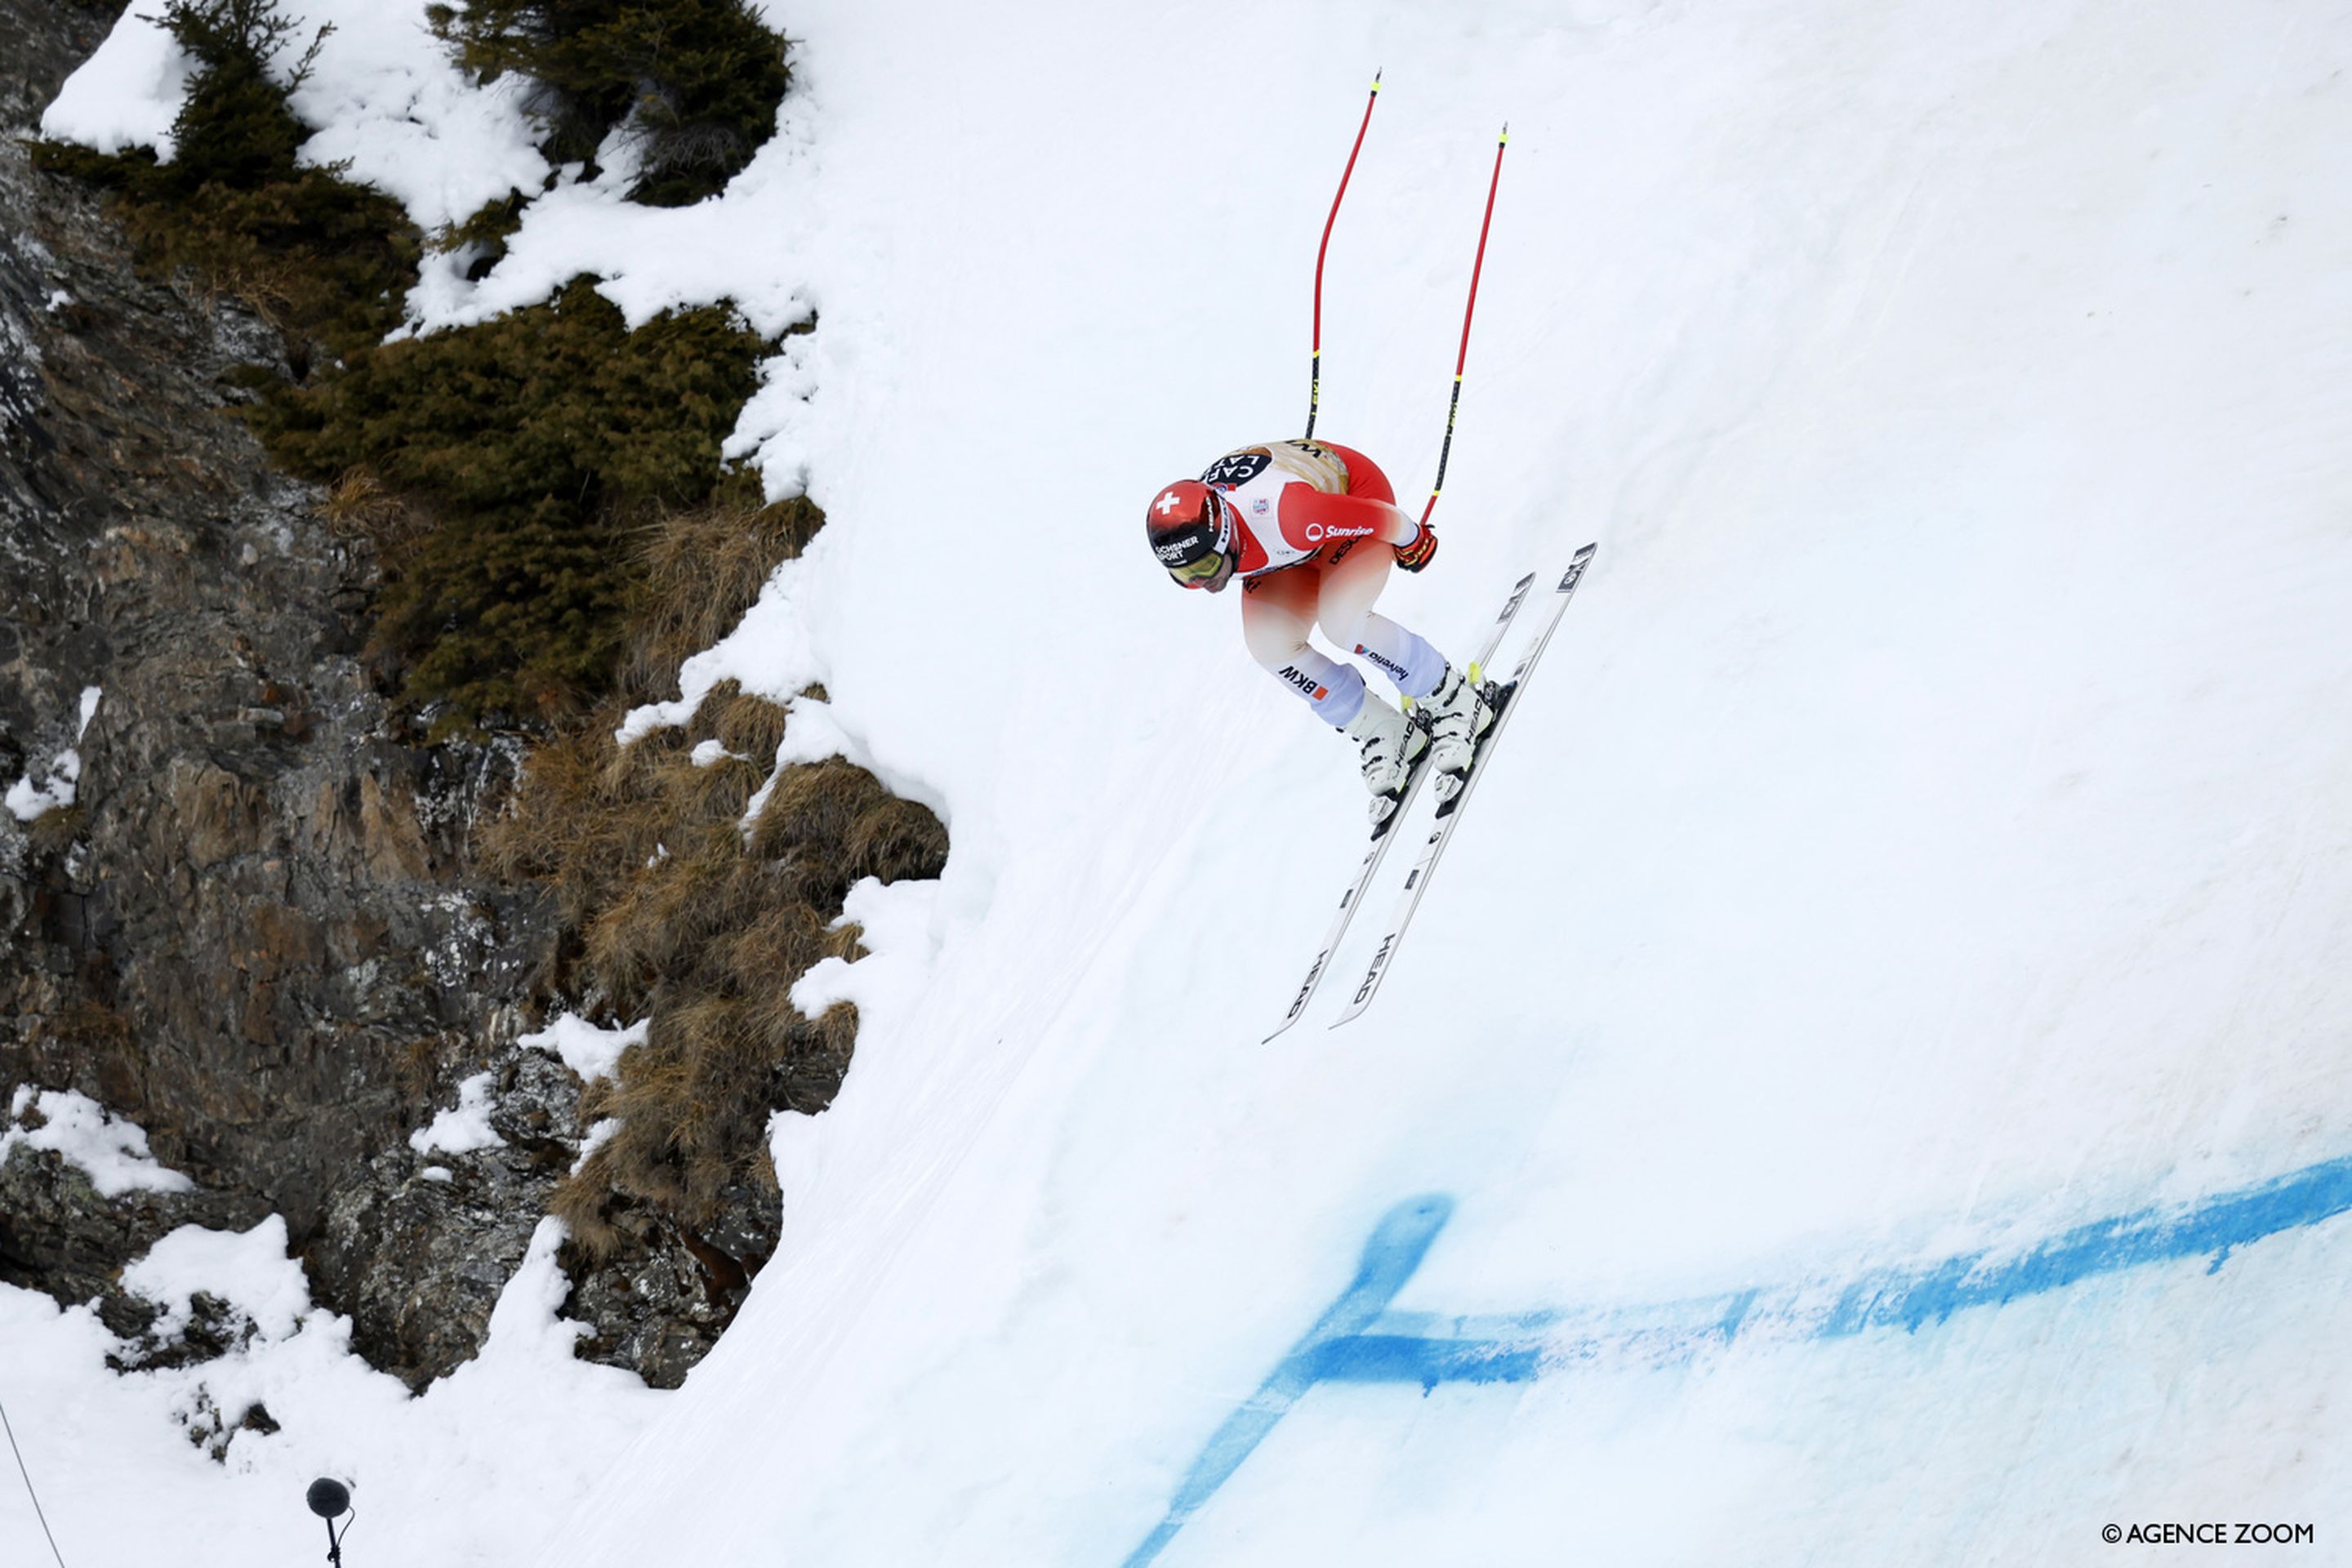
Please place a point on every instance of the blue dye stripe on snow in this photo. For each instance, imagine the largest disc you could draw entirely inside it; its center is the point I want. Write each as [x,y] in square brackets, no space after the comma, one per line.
[1397,1245]
[1358,1339]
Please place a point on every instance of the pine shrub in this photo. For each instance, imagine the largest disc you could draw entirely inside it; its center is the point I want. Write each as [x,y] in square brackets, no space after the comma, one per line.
[542,439]
[696,82]
[501,469]
[325,260]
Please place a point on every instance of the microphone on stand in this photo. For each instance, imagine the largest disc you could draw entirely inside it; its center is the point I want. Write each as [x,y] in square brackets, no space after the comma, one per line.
[329,1500]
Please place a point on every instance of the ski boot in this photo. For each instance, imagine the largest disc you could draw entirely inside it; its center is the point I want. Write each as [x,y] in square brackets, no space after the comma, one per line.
[1388,743]
[1458,712]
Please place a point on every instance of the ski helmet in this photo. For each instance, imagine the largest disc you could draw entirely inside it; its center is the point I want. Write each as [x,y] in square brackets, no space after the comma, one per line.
[1191,531]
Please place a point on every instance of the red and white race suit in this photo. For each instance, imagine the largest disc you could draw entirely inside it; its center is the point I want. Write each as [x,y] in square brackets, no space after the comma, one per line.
[1318,528]
[1302,502]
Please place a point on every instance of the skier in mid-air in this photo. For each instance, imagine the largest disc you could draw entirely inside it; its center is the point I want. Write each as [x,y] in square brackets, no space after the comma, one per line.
[1311,528]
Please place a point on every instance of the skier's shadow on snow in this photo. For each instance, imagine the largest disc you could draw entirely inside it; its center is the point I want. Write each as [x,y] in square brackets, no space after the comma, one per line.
[1359,1340]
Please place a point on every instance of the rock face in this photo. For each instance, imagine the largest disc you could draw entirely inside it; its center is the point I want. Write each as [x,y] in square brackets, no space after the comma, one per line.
[254,932]
[661,1302]
[257,930]
[58,1235]
[461,1222]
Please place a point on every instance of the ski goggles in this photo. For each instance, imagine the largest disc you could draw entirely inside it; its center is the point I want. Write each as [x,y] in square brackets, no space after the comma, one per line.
[1199,570]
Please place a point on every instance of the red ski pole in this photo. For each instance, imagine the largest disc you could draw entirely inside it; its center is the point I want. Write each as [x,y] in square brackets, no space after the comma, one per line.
[1315,371]
[1464,358]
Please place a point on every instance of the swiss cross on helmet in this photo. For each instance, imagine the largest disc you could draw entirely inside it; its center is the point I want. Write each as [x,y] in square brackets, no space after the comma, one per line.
[1190,527]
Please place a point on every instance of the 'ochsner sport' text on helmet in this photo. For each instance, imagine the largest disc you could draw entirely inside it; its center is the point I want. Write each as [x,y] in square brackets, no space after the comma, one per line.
[1187,523]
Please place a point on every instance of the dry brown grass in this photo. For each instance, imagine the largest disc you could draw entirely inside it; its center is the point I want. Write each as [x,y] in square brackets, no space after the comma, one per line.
[708,934]
[54,831]
[674,906]
[361,506]
[746,725]
[897,840]
[832,823]
[702,569]
[583,1202]
[579,818]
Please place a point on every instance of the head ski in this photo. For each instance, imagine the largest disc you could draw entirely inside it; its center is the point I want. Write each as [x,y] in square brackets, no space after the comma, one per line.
[1449,815]
[1382,835]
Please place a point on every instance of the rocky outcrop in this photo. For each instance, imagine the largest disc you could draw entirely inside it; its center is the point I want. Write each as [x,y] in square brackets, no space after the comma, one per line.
[59,1234]
[258,930]
[254,931]
[463,1222]
[662,1300]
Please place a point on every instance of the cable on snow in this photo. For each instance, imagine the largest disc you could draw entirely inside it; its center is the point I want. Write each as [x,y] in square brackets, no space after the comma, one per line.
[35,1496]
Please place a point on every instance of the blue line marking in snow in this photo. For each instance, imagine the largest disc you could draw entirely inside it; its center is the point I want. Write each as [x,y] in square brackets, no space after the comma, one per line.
[1358,1339]
[1397,1245]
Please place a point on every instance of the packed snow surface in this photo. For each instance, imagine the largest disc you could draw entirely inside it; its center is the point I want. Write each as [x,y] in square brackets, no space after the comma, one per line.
[1879,1036]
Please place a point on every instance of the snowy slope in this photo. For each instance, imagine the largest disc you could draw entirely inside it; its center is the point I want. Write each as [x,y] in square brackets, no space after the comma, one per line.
[1928,844]
[1930,837]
